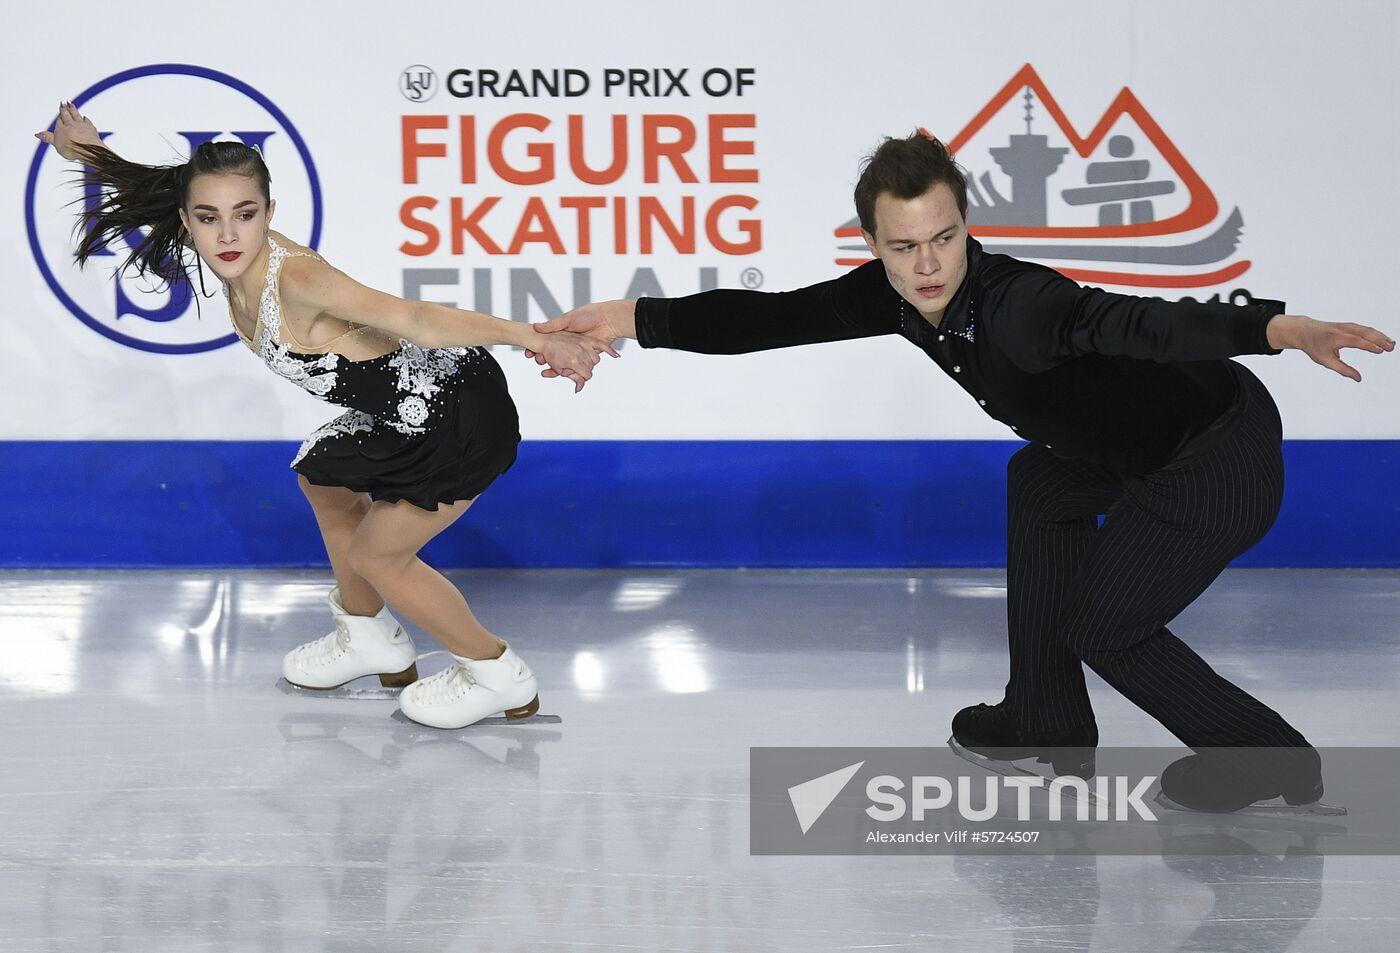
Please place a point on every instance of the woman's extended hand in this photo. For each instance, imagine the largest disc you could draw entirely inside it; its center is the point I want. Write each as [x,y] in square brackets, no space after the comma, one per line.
[70,128]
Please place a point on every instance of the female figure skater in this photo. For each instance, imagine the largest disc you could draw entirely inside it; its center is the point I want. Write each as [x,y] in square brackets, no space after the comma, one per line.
[430,424]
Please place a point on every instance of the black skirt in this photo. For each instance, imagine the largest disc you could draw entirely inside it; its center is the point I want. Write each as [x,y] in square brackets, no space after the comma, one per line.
[470,440]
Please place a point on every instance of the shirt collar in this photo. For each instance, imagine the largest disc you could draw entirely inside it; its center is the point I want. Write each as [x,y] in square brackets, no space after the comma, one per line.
[959,316]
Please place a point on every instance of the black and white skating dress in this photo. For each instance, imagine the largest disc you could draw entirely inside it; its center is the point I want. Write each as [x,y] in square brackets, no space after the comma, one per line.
[427,425]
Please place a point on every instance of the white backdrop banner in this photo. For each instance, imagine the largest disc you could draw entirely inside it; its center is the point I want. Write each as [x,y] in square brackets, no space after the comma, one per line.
[521,159]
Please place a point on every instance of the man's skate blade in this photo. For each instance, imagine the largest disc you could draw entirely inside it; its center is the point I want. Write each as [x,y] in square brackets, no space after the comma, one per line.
[1274,807]
[1008,768]
[1011,769]
[360,689]
[493,721]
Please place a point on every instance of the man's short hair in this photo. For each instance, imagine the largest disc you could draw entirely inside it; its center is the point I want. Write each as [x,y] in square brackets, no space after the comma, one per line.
[907,168]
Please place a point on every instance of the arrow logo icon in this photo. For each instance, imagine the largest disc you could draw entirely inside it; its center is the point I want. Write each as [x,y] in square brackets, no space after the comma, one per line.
[810,799]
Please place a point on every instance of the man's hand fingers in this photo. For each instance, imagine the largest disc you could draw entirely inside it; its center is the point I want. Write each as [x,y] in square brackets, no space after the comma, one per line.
[560,323]
[1370,334]
[1357,336]
[1340,366]
[1359,342]
[1379,338]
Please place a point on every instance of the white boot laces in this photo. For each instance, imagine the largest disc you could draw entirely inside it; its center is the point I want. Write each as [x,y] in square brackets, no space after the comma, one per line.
[330,646]
[446,686]
[342,636]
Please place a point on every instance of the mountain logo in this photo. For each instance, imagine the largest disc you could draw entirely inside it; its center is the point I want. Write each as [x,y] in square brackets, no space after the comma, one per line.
[1118,206]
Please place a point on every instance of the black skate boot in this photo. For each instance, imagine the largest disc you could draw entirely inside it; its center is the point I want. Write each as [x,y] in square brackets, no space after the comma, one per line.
[1246,780]
[989,732]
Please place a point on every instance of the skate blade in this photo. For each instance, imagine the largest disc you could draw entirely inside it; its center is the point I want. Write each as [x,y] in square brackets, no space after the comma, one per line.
[1274,807]
[1011,769]
[494,721]
[342,691]
[1008,769]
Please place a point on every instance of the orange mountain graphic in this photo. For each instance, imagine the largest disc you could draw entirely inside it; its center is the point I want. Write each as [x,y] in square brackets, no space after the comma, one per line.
[1201,210]
[1201,207]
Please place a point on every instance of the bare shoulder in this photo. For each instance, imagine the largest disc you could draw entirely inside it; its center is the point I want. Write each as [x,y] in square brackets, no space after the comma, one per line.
[296,248]
[308,281]
[306,277]
[312,287]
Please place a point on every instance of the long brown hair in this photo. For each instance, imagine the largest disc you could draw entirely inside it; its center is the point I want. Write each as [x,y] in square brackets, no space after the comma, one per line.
[133,196]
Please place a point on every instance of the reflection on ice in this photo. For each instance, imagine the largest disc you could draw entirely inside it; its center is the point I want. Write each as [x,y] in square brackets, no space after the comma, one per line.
[635,595]
[37,654]
[588,673]
[678,658]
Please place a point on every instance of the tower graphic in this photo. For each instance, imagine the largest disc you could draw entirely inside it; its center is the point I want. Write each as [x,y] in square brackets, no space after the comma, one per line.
[1028,162]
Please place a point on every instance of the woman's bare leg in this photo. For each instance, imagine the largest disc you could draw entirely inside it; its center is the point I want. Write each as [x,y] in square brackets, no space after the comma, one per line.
[384,551]
[338,513]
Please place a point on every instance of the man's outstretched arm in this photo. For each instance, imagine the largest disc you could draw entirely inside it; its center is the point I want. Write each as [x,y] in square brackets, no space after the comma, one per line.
[858,304]
[1047,318]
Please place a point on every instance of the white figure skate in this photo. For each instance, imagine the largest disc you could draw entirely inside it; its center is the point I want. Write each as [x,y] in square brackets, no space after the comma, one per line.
[469,690]
[359,646]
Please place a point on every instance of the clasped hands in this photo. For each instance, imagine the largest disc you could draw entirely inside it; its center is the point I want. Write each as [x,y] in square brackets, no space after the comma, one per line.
[573,343]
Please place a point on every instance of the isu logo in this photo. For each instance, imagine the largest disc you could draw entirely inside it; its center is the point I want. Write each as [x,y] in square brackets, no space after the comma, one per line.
[1119,206]
[418,83]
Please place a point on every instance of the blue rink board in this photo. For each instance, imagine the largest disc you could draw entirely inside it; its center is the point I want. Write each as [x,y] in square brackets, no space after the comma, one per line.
[632,503]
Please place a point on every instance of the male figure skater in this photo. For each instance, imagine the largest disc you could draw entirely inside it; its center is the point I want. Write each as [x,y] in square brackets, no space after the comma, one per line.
[1132,410]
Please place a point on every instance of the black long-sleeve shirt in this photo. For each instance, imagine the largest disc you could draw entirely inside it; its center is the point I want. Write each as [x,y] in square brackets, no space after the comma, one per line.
[1114,379]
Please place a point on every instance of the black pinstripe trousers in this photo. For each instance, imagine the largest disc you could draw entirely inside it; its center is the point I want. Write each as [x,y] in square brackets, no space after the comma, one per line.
[1080,593]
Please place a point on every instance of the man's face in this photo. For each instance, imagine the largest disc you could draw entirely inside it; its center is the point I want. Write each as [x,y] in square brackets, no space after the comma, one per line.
[923,243]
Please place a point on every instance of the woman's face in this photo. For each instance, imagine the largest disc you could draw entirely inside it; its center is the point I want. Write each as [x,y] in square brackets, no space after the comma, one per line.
[229,219]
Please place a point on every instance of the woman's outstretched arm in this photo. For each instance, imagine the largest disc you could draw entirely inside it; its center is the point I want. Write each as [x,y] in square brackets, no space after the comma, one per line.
[319,287]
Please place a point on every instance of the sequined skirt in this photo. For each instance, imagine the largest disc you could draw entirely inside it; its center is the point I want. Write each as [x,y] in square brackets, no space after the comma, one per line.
[472,441]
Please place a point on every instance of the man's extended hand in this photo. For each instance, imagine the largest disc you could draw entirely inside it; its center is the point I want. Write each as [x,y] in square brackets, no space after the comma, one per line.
[1323,340]
[604,322]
